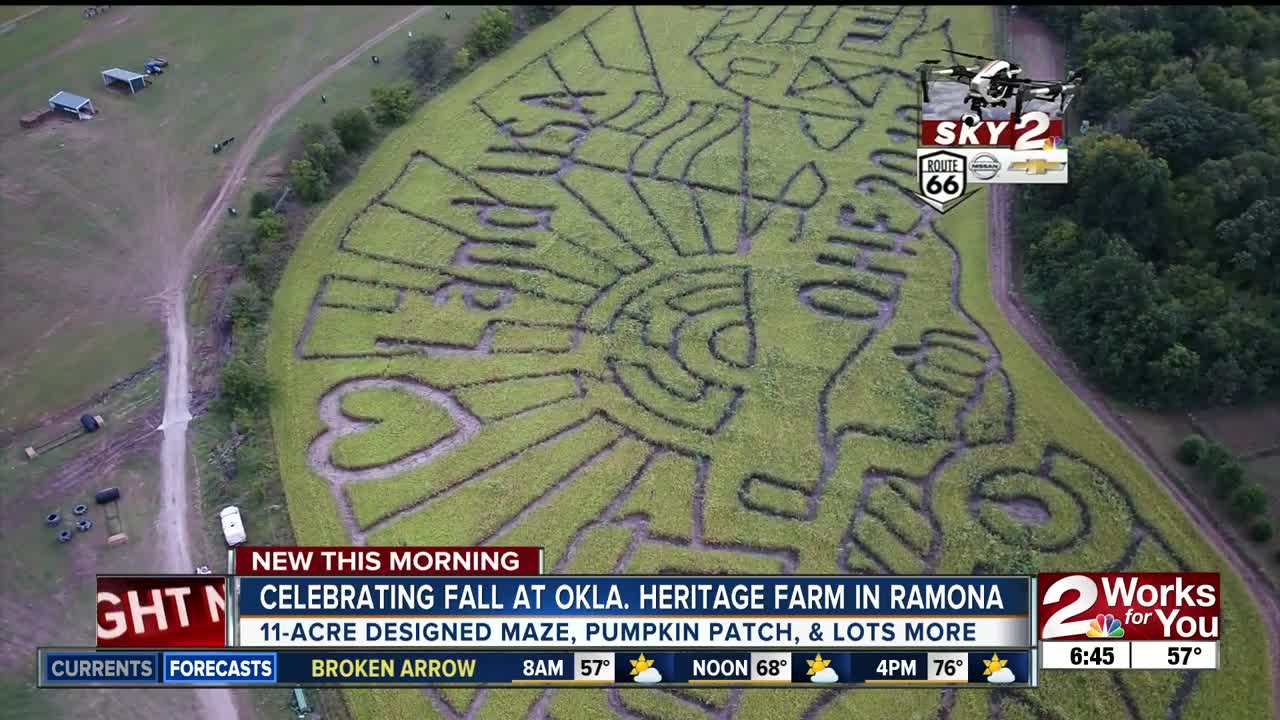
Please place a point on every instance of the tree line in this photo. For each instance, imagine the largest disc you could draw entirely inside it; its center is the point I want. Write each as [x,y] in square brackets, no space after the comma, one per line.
[1158,265]
[1215,464]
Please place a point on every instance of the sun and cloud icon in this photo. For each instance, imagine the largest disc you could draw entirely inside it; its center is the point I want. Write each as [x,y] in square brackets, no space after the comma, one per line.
[644,671]
[996,671]
[1105,626]
[820,670]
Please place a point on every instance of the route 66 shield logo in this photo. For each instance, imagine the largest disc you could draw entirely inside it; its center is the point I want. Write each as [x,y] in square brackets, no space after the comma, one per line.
[943,178]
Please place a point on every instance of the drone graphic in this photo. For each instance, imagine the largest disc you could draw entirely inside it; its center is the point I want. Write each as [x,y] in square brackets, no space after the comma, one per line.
[994,82]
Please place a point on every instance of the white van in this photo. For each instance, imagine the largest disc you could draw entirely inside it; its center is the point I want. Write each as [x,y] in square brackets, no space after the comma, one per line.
[232,528]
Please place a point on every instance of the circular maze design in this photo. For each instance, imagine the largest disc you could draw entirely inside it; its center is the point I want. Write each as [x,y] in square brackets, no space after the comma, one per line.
[659,301]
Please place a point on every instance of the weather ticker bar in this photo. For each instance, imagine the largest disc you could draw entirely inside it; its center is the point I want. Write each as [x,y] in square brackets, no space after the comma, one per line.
[233,668]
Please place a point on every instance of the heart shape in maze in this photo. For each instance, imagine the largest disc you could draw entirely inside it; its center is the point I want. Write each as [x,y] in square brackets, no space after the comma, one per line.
[382,424]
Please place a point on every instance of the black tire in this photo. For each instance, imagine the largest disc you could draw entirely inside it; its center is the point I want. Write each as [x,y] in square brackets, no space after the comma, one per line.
[84,525]
[110,495]
[80,509]
[64,536]
[53,519]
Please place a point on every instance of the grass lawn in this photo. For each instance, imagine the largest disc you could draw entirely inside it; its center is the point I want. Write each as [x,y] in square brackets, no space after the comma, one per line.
[48,589]
[95,210]
[9,13]
[657,268]
[43,583]
[350,86]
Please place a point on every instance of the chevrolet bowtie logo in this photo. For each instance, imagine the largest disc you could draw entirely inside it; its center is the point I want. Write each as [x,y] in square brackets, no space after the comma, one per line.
[1037,166]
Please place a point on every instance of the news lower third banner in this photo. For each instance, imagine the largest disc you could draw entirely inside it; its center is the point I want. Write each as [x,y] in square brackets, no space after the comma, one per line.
[607,612]
[632,668]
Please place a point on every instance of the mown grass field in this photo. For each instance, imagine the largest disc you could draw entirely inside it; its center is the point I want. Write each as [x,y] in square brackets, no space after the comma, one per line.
[95,211]
[656,272]
[49,588]
[1163,432]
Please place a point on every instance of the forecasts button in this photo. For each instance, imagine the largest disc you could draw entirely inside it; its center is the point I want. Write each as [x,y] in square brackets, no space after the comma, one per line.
[225,668]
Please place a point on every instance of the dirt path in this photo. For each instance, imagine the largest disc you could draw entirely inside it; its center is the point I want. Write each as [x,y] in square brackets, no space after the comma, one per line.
[175,507]
[1036,49]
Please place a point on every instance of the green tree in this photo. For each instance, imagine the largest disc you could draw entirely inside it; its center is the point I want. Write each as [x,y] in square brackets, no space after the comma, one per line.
[259,202]
[491,33]
[247,308]
[320,156]
[269,226]
[1185,129]
[423,56]
[1228,91]
[1229,478]
[1100,23]
[1177,130]
[1192,449]
[1238,181]
[1114,314]
[312,133]
[1175,377]
[539,14]
[1243,347]
[1055,250]
[1105,162]
[1203,295]
[320,145]
[1109,82]
[1255,235]
[311,182]
[246,388]
[1241,21]
[353,128]
[1262,531]
[1215,458]
[1249,501]
[1119,62]
[1265,111]
[1151,48]
[1192,216]
[1192,25]
[393,104]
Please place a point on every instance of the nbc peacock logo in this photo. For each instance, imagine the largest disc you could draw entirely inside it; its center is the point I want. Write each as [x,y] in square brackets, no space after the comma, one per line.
[1105,626]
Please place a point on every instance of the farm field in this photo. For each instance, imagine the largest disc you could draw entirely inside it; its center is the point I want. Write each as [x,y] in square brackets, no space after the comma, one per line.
[49,588]
[1244,432]
[349,87]
[648,290]
[95,211]
[10,13]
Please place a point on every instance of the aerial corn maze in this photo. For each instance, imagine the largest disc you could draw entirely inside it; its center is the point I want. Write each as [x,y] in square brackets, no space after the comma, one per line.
[649,290]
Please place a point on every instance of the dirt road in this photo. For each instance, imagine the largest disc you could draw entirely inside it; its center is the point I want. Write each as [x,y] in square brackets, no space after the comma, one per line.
[175,508]
[1037,51]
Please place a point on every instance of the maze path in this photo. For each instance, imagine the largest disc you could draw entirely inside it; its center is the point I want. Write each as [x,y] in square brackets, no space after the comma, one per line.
[683,316]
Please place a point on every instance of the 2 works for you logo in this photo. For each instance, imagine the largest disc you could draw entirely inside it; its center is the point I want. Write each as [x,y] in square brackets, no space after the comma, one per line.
[1132,606]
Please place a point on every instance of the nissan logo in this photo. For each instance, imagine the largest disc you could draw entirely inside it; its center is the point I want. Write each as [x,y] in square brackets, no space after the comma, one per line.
[984,166]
